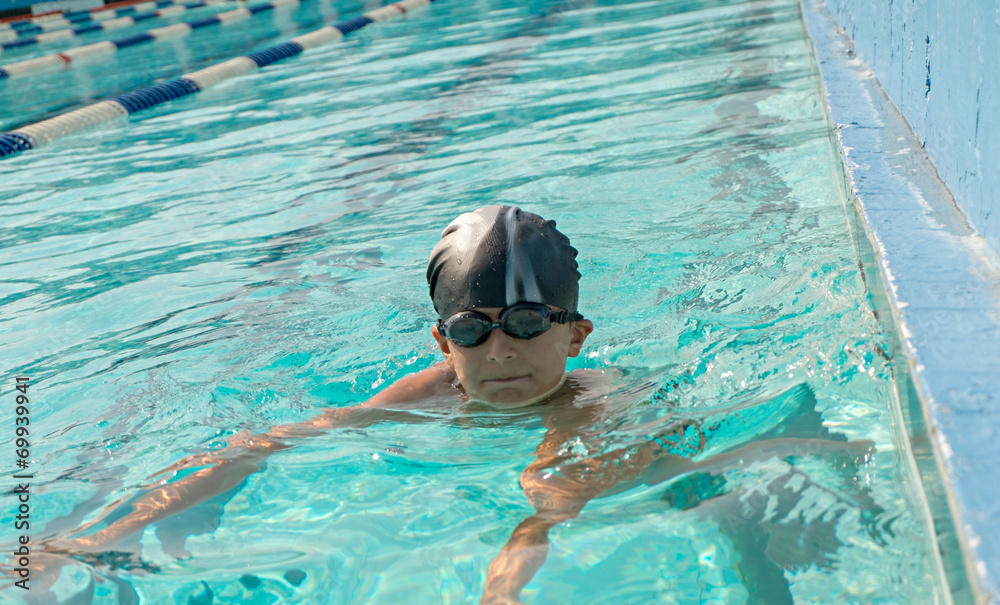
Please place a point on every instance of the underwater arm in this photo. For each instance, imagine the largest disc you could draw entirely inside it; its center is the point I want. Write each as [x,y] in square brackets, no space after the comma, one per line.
[526,549]
[168,498]
[226,468]
[556,499]
[665,469]
[558,493]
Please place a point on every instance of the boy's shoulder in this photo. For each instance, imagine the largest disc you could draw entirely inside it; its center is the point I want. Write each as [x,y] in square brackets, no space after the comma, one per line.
[439,382]
[413,389]
[593,382]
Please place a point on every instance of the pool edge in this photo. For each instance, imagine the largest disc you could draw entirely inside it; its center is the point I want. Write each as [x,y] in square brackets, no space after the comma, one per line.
[939,281]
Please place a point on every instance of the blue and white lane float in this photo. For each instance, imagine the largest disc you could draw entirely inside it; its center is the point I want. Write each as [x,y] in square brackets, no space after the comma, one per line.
[47,131]
[71,58]
[82,22]
[59,19]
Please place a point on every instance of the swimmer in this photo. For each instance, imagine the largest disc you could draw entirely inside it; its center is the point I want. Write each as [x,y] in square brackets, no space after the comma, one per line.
[504,284]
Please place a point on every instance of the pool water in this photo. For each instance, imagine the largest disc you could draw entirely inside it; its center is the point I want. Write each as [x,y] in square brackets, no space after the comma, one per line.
[255,254]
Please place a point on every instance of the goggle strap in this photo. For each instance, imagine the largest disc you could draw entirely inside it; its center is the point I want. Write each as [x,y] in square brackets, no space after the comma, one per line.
[566,316]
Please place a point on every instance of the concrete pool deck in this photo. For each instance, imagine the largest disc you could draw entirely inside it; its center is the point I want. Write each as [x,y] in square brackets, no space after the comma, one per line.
[942,286]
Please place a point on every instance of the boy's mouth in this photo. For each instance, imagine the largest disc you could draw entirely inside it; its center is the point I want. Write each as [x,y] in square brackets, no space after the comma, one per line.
[506,380]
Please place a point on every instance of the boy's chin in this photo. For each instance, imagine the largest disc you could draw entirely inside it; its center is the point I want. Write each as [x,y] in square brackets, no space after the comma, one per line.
[511,400]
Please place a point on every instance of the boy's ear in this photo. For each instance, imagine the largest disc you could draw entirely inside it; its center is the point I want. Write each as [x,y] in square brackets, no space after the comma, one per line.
[579,331]
[443,344]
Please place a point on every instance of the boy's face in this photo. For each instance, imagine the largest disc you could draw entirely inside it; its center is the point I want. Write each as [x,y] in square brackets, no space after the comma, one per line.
[513,372]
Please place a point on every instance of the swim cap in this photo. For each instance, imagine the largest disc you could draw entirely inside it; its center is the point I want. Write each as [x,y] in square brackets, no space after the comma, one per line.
[498,256]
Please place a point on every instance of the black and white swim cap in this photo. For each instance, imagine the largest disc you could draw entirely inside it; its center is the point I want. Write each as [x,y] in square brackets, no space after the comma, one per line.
[498,256]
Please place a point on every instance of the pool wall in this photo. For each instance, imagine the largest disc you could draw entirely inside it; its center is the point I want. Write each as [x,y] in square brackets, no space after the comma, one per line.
[936,61]
[912,150]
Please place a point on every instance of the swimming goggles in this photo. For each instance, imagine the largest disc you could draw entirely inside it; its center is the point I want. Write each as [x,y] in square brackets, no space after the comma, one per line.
[523,320]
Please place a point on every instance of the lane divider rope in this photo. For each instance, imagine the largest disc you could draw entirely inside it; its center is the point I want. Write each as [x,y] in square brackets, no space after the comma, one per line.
[58,29]
[69,59]
[38,19]
[47,131]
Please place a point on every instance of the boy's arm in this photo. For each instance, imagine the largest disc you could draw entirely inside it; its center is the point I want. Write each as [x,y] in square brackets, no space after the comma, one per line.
[246,452]
[558,493]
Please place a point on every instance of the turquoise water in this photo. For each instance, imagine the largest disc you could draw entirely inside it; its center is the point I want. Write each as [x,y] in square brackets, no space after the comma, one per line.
[256,254]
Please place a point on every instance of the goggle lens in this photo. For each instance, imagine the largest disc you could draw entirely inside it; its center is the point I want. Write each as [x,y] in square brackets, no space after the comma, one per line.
[525,321]
[467,331]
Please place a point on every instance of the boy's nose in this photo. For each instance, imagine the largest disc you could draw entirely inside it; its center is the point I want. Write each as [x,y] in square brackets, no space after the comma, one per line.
[499,346]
